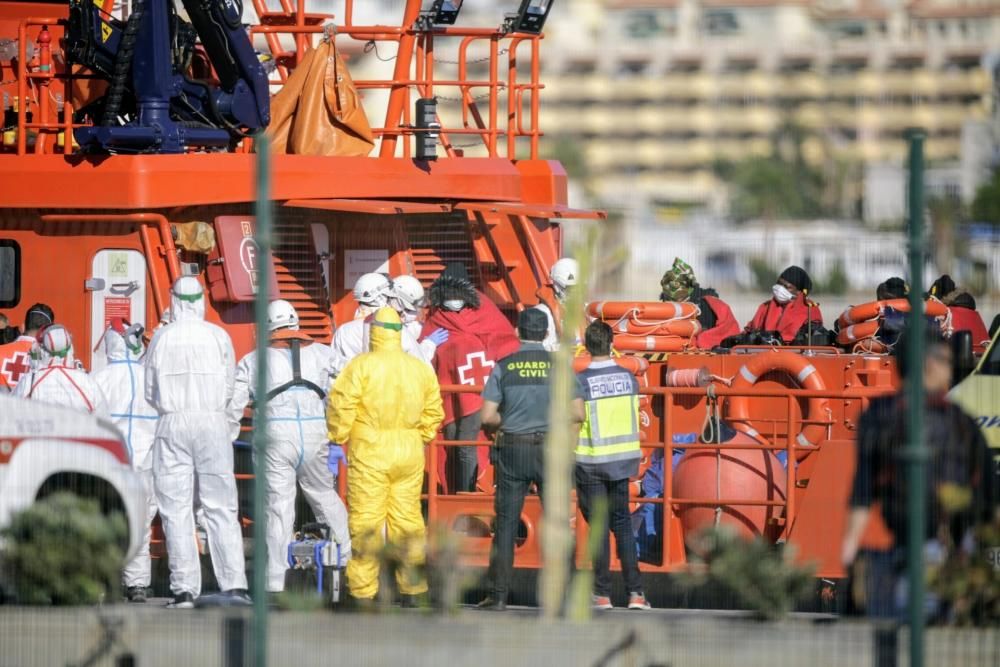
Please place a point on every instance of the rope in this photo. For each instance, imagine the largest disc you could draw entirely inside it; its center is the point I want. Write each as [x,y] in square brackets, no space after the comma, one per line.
[370,45]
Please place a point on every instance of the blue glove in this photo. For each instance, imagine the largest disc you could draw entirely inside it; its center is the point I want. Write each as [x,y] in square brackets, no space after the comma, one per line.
[333,459]
[438,336]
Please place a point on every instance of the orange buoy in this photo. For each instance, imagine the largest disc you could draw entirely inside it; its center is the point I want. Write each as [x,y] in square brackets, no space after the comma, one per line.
[635,365]
[682,328]
[855,332]
[802,371]
[642,310]
[632,343]
[729,474]
[875,309]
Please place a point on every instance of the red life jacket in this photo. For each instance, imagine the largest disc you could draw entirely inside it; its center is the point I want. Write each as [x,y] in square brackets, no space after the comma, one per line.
[967,319]
[786,319]
[725,324]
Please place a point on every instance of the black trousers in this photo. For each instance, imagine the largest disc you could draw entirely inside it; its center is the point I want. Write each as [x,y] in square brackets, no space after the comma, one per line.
[462,462]
[516,466]
[590,491]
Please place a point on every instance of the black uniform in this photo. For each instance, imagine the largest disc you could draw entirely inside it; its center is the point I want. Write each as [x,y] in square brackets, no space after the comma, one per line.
[519,384]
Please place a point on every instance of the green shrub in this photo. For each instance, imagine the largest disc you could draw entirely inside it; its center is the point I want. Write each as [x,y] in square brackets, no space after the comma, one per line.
[763,577]
[63,551]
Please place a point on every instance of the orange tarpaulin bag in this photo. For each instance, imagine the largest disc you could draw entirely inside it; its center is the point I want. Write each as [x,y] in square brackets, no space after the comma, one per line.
[318,111]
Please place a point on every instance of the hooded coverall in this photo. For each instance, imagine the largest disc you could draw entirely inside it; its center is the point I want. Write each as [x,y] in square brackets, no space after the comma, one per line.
[122,384]
[297,447]
[387,404]
[55,377]
[189,378]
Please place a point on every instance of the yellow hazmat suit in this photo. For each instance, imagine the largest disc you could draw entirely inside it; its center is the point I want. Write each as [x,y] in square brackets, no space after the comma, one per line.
[387,405]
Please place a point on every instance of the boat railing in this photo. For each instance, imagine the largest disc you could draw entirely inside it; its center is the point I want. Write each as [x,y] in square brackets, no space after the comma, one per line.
[497,94]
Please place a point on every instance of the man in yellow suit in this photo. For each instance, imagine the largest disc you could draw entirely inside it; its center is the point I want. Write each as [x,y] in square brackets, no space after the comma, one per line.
[387,405]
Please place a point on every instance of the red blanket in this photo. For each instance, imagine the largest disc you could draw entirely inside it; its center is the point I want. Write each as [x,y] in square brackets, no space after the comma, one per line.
[478,338]
[786,319]
[725,324]
[966,319]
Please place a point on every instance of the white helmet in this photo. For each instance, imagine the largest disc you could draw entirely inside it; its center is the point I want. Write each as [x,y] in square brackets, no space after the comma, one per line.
[372,289]
[564,274]
[282,315]
[408,293]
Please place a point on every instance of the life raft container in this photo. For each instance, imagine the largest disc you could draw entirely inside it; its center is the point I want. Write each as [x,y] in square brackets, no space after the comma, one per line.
[857,332]
[633,343]
[875,309]
[641,310]
[804,373]
[682,328]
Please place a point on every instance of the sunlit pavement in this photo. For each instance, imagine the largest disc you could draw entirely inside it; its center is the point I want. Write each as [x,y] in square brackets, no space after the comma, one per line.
[157,636]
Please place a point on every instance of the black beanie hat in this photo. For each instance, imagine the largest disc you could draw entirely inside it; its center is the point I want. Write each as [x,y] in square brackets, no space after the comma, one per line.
[532,324]
[942,286]
[798,277]
[893,288]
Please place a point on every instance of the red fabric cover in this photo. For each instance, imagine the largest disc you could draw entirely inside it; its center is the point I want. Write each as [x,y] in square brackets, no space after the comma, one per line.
[786,319]
[15,361]
[967,319]
[478,337]
[725,324]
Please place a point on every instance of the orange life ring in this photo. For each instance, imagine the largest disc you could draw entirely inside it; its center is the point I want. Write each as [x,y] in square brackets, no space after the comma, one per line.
[652,310]
[855,332]
[682,328]
[875,309]
[633,343]
[804,373]
[635,365]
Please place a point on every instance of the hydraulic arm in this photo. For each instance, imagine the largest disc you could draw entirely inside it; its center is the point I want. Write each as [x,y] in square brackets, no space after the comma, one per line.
[153,104]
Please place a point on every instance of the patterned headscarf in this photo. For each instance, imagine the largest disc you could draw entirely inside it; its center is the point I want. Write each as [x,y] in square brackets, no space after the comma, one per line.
[678,282]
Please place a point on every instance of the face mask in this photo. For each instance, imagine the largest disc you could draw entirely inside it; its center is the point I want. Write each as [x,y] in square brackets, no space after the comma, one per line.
[781,293]
[408,316]
[454,305]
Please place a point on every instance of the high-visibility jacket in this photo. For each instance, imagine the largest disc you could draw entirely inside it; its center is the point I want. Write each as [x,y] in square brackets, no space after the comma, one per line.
[609,437]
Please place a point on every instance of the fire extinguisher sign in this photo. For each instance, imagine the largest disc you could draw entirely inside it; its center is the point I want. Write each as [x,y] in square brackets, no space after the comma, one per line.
[240,258]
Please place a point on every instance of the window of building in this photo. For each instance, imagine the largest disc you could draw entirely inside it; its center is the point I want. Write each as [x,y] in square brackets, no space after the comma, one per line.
[10,273]
[721,22]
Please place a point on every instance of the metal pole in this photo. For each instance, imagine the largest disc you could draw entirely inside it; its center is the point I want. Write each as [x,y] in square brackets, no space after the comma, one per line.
[263,234]
[916,453]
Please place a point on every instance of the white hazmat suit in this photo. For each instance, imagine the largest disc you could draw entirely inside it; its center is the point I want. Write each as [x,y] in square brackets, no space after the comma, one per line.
[55,376]
[122,384]
[189,379]
[354,338]
[297,446]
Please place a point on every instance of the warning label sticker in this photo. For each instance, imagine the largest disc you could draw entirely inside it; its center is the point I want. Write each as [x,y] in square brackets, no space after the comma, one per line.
[115,306]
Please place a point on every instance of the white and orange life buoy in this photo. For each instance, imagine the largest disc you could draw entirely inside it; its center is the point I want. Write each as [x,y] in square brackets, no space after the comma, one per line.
[858,332]
[804,373]
[634,343]
[641,310]
[682,328]
[875,309]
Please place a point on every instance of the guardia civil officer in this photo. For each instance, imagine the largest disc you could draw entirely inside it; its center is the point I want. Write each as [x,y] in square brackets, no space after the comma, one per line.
[516,401]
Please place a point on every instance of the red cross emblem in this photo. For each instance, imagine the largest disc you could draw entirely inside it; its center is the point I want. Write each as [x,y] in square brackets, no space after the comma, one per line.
[14,367]
[476,370]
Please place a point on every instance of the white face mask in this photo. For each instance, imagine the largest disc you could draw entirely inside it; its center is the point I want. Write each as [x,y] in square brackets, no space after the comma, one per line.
[454,305]
[781,293]
[408,316]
